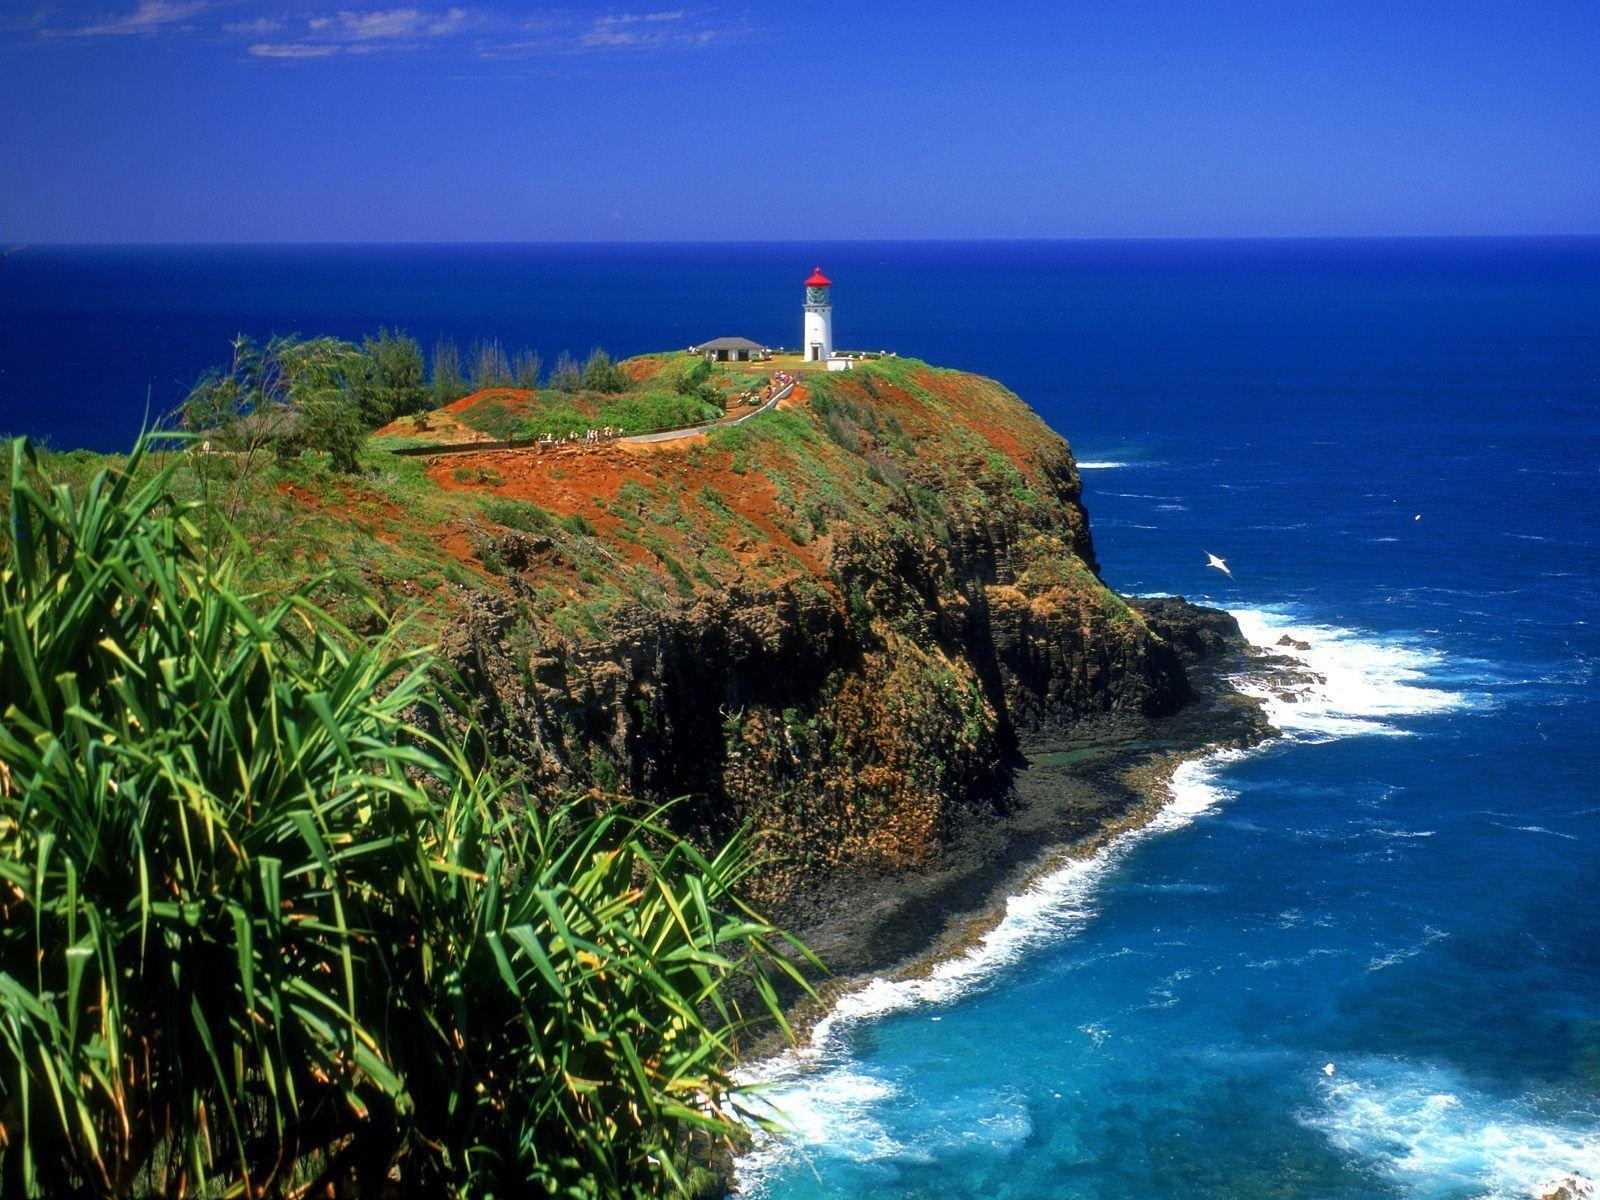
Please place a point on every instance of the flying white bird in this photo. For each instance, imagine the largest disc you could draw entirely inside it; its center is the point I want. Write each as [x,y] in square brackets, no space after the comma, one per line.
[1328,1069]
[1219,564]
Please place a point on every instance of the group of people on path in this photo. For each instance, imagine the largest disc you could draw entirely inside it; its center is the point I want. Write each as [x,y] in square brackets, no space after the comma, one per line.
[589,437]
[780,380]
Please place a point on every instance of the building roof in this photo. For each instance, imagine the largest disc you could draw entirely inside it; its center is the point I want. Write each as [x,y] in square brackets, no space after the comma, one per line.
[818,279]
[729,343]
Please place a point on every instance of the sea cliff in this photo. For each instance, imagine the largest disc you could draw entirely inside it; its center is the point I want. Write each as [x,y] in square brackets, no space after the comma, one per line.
[846,626]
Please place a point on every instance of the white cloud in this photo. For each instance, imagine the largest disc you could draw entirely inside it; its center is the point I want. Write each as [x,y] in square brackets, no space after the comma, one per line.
[149,16]
[646,29]
[274,31]
[360,31]
[254,28]
[378,26]
[292,50]
[676,14]
[453,21]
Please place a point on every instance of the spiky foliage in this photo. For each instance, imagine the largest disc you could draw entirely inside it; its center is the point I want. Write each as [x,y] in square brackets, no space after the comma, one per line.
[260,930]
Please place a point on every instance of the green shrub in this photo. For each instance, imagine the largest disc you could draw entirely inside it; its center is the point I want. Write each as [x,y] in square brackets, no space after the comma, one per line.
[566,377]
[686,375]
[645,412]
[399,378]
[555,416]
[264,929]
[517,514]
[600,374]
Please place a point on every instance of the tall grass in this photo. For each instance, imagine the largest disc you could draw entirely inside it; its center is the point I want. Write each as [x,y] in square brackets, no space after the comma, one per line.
[264,930]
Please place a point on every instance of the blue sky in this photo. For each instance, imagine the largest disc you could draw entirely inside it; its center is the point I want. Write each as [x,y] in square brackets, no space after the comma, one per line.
[305,120]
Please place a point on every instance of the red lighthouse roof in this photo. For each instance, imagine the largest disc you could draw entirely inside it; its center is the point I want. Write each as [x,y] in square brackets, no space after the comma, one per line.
[818,279]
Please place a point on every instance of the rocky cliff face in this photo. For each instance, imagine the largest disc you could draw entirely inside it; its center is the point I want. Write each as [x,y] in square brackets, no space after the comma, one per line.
[839,624]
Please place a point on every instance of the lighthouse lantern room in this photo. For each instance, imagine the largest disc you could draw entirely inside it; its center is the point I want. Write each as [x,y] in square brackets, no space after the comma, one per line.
[818,336]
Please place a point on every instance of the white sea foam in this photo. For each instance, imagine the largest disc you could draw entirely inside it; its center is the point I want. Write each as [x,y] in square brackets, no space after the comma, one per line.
[824,1097]
[1364,681]
[1432,1135]
[1556,833]
[1382,962]
[1100,465]
[818,1091]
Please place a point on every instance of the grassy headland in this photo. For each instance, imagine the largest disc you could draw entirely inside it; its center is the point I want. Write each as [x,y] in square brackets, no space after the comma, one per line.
[832,631]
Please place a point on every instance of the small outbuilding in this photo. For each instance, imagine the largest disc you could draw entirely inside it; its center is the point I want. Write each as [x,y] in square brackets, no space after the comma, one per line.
[730,349]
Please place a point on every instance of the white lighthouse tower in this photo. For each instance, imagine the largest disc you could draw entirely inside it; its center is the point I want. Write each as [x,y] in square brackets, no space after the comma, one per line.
[817,342]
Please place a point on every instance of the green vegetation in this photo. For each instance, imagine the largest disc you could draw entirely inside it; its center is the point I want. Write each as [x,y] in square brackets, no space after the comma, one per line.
[556,413]
[446,379]
[566,377]
[322,395]
[600,374]
[652,410]
[268,926]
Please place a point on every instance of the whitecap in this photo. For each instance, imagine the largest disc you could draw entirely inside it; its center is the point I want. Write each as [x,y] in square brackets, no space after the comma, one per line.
[1556,833]
[1101,465]
[1357,683]
[1395,957]
[1428,1132]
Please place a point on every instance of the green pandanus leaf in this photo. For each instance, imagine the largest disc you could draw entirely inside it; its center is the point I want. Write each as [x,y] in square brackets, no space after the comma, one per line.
[264,917]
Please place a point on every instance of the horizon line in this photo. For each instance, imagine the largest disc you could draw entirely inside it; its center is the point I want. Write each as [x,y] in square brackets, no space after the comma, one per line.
[8,247]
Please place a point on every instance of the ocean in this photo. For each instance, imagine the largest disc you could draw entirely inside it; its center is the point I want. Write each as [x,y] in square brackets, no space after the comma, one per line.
[1362,960]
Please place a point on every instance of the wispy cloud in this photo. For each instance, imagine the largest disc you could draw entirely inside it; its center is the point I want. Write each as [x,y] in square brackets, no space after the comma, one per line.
[352,31]
[284,33]
[257,28]
[291,50]
[149,17]
[619,31]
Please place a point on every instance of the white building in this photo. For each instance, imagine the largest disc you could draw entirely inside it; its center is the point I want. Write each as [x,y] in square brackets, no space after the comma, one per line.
[816,342]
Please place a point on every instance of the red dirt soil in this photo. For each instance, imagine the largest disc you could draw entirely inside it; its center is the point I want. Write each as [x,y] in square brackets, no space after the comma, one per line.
[586,480]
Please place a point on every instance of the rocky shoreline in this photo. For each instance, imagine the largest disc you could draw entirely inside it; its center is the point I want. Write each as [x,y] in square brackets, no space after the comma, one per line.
[1066,798]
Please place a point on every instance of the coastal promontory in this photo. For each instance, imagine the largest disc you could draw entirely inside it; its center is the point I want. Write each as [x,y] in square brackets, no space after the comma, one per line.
[839,622]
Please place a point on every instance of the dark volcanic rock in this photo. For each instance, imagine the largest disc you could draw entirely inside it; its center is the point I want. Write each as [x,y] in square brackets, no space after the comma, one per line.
[1200,633]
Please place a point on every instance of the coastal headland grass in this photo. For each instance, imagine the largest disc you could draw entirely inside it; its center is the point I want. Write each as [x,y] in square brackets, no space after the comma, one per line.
[270,923]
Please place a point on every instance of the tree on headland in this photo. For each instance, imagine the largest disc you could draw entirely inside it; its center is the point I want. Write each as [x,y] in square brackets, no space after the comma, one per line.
[566,377]
[327,383]
[322,395]
[600,374]
[447,380]
[526,366]
[489,365]
[399,382]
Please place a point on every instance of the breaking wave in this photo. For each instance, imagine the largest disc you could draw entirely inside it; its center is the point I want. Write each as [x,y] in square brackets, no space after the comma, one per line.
[1428,1132]
[825,1098]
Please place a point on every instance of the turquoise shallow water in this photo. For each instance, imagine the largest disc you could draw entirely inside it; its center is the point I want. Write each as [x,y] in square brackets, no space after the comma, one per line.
[1395,444]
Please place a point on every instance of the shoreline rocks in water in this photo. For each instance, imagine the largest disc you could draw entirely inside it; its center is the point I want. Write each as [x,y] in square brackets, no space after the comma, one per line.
[1571,1186]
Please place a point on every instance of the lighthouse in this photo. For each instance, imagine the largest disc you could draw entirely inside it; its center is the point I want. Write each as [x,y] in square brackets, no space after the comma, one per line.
[817,340]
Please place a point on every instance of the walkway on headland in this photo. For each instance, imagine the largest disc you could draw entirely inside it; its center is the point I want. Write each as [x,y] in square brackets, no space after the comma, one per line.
[672,435]
[638,439]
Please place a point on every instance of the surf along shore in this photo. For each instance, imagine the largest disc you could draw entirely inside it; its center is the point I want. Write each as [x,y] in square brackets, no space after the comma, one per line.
[1068,799]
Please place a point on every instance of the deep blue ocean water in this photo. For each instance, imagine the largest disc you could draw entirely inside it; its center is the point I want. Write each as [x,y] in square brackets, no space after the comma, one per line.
[1395,444]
